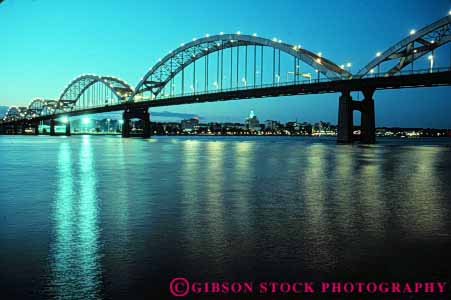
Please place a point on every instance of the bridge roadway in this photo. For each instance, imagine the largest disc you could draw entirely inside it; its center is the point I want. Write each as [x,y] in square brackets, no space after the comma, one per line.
[366,85]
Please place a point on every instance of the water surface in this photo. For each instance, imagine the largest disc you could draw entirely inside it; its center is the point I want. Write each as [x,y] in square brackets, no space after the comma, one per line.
[90,217]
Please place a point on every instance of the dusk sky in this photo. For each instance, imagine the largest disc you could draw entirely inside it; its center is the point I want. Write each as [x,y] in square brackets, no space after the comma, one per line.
[46,43]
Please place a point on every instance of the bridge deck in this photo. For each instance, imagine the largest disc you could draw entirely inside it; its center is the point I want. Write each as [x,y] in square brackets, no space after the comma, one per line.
[442,78]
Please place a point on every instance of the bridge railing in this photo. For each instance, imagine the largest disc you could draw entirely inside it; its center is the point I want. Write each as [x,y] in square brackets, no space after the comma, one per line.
[409,72]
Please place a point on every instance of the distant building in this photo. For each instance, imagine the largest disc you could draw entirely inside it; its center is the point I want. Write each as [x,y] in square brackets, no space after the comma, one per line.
[272,125]
[252,122]
[292,127]
[305,129]
[190,125]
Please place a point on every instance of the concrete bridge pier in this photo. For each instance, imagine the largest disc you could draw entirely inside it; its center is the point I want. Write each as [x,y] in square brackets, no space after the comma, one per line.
[136,113]
[23,127]
[68,128]
[35,127]
[345,118]
[346,109]
[368,118]
[52,127]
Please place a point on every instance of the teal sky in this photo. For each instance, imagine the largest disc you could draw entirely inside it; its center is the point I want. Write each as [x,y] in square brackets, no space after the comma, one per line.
[46,43]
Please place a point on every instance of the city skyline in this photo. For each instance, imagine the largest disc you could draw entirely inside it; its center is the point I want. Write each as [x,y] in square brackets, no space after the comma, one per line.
[394,108]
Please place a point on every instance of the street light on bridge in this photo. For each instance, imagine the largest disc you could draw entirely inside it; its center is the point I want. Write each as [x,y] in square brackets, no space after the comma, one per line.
[349,65]
[431,59]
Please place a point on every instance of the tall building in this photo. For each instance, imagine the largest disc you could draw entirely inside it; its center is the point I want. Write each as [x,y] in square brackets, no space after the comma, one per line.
[252,122]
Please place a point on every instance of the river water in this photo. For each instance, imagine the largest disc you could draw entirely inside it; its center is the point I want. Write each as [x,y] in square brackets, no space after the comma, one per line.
[89,217]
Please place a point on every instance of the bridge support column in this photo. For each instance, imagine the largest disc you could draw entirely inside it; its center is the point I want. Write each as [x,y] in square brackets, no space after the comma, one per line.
[368,119]
[68,128]
[35,128]
[136,113]
[16,128]
[125,126]
[345,118]
[22,127]
[52,127]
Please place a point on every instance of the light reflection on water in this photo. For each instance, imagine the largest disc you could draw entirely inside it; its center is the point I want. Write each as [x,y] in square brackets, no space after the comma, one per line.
[111,215]
[74,254]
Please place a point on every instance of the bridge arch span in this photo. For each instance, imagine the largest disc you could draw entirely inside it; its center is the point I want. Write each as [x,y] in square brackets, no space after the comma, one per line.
[416,45]
[14,113]
[41,107]
[174,62]
[71,95]
[35,108]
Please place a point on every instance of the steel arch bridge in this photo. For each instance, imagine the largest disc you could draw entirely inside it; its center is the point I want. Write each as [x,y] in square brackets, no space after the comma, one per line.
[174,63]
[238,66]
